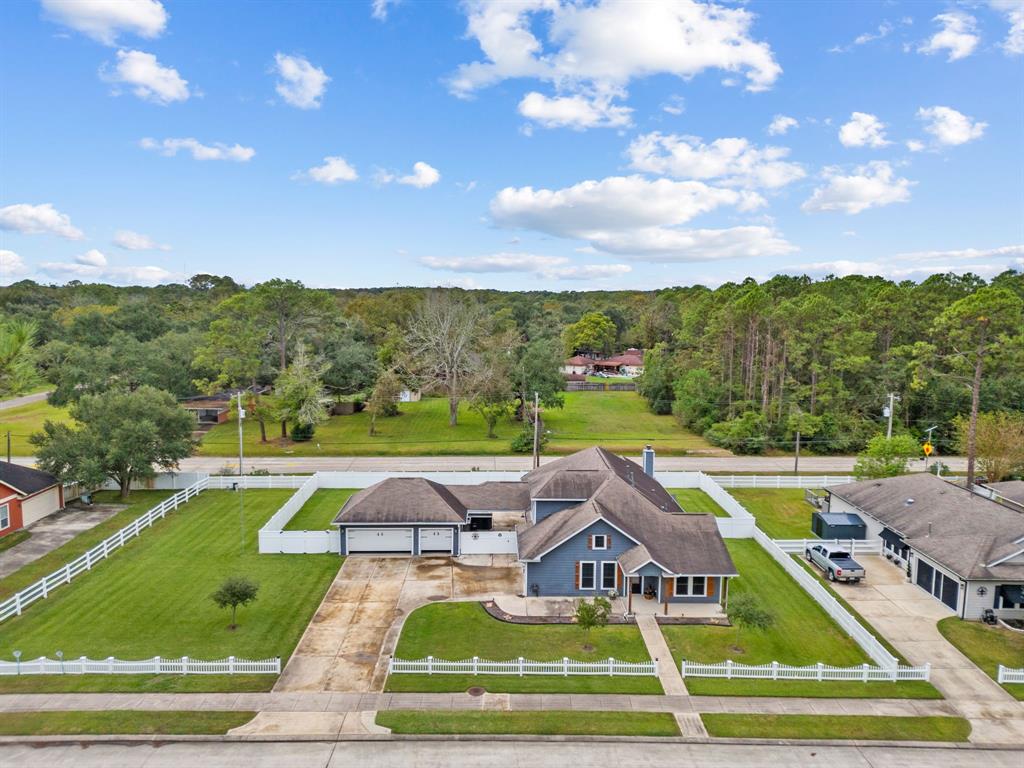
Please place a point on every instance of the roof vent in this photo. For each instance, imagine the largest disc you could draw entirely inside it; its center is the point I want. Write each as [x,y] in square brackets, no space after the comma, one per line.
[908,502]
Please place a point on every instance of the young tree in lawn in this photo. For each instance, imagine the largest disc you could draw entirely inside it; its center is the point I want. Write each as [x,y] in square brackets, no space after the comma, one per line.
[17,357]
[886,456]
[594,333]
[443,342]
[999,443]
[121,436]
[300,397]
[746,612]
[975,329]
[234,592]
[383,399]
[590,615]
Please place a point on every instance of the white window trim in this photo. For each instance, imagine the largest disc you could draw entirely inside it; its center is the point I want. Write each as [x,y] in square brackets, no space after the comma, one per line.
[594,587]
[604,540]
[689,586]
[5,512]
[615,574]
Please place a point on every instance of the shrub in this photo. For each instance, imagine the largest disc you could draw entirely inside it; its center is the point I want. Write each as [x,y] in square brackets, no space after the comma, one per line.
[302,433]
[746,434]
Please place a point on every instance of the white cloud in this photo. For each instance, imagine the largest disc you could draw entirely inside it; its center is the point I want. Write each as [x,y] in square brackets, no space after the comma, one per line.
[884,29]
[1013,45]
[93,265]
[958,35]
[104,20]
[1006,251]
[915,146]
[581,56]
[134,241]
[871,186]
[199,151]
[674,105]
[379,8]
[554,267]
[147,77]
[950,127]
[734,161]
[422,176]
[781,124]
[37,219]
[11,265]
[638,218]
[301,84]
[577,112]
[844,267]
[863,130]
[332,170]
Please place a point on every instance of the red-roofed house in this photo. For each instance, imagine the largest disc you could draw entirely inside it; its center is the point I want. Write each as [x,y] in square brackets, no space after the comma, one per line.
[578,364]
[629,363]
[26,495]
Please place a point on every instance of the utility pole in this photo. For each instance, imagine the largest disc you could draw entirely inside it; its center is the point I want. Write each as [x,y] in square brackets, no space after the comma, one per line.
[8,446]
[796,456]
[888,412]
[536,430]
[241,488]
[929,441]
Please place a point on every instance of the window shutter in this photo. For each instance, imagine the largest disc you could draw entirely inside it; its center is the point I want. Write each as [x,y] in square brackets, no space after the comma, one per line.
[618,579]
[608,541]
[590,542]
[670,588]
[577,574]
[709,590]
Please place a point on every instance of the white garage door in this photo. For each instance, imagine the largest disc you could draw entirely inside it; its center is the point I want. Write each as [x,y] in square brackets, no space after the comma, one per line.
[379,540]
[39,506]
[436,540]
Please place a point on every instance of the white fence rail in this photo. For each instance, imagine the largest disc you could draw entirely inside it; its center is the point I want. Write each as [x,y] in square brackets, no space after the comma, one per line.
[735,527]
[522,667]
[1010,675]
[488,543]
[15,604]
[299,542]
[776,671]
[781,481]
[154,666]
[853,546]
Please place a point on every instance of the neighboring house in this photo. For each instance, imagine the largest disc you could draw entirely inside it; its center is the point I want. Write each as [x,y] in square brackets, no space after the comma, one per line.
[409,396]
[1011,491]
[963,549]
[578,365]
[591,523]
[629,363]
[216,408]
[26,495]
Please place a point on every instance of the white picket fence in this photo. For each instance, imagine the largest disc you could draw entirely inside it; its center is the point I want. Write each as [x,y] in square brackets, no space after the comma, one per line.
[775,671]
[154,666]
[1010,675]
[15,604]
[853,546]
[781,481]
[521,667]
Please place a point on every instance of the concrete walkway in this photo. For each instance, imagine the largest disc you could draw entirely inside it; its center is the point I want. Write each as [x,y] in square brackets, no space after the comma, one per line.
[54,531]
[668,674]
[906,616]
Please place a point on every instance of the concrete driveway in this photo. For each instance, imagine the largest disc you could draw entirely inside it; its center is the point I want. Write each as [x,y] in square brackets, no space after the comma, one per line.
[357,625]
[54,531]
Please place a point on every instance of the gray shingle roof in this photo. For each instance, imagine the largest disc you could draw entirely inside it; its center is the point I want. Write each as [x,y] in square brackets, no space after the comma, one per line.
[955,527]
[1010,489]
[493,496]
[403,500]
[25,480]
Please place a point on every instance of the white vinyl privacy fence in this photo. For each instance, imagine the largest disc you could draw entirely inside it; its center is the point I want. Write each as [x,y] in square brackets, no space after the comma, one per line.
[154,666]
[730,670]
[781,481]
[522,667]
[853,546]
[1010,675]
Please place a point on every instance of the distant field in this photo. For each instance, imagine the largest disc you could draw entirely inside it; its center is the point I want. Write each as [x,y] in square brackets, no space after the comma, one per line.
[620,421]
[25,420]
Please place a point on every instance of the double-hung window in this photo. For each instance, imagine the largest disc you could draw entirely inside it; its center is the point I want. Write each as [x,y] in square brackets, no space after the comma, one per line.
[5,516]
[588,575]
[690,586]
[608,569]
[600,541]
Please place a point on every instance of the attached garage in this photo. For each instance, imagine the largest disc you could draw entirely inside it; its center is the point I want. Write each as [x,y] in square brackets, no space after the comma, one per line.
[40,505]
[434,540]
[378,540]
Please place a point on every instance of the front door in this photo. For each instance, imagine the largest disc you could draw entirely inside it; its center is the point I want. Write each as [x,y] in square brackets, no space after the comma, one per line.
[651,585]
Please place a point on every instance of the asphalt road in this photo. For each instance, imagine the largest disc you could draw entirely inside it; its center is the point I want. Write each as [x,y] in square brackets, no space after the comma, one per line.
[507,754]
[14,402]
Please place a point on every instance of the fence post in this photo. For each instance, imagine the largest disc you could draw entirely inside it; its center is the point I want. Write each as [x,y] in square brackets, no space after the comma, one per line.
[821,669]
[67,573]
[728,669]
[775,670]
[231,665]
[88,559]
[184,665]
[46,589]
[611,666]
[1001,674]
[520,666]
[104,548]
[927,671]
[476,660]
[430,665]
[682,668]
[17,603]
[865,673]
[565,666]
[110,665]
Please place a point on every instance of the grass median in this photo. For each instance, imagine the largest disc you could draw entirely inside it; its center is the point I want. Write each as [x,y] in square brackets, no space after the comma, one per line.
[121,723]
[844,727]
[539,723]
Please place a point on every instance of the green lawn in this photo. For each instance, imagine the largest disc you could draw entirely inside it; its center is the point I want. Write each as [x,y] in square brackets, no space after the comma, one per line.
[25,420]
[17,537]
[322,507]
[138,503]
[803,634]
[781,513]
[153,598]
[458,631]
[121,723]
[846,727]
[694,500]
[545,723]
[620,421]
[986,646]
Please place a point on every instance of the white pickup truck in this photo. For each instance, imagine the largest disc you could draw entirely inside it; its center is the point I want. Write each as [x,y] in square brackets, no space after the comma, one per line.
[836,562]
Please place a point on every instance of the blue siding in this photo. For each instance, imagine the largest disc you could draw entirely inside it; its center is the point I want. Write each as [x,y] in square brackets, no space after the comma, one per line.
[415,535]
[555,574]
[548,508]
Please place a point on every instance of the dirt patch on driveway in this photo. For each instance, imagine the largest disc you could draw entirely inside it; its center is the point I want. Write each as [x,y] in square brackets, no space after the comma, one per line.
[345,645]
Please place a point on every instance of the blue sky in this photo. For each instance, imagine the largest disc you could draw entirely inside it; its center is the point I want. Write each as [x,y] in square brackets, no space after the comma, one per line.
[509,145]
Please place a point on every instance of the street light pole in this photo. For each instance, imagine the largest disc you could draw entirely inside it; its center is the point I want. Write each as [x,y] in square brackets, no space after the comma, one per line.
[536,430]
[241,486]
[929,441]
[890,409]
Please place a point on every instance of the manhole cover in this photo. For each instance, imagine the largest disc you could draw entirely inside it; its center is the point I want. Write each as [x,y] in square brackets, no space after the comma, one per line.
[476,690]
[435,598]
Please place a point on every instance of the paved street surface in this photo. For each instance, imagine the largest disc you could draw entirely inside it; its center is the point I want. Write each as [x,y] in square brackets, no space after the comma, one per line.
[492,752]
[15,402]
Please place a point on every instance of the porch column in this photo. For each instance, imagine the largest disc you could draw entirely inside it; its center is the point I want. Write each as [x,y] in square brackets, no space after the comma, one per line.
[664,595]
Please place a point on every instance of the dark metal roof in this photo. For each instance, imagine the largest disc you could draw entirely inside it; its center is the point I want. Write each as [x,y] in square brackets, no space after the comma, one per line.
[840,518]
[25,480]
